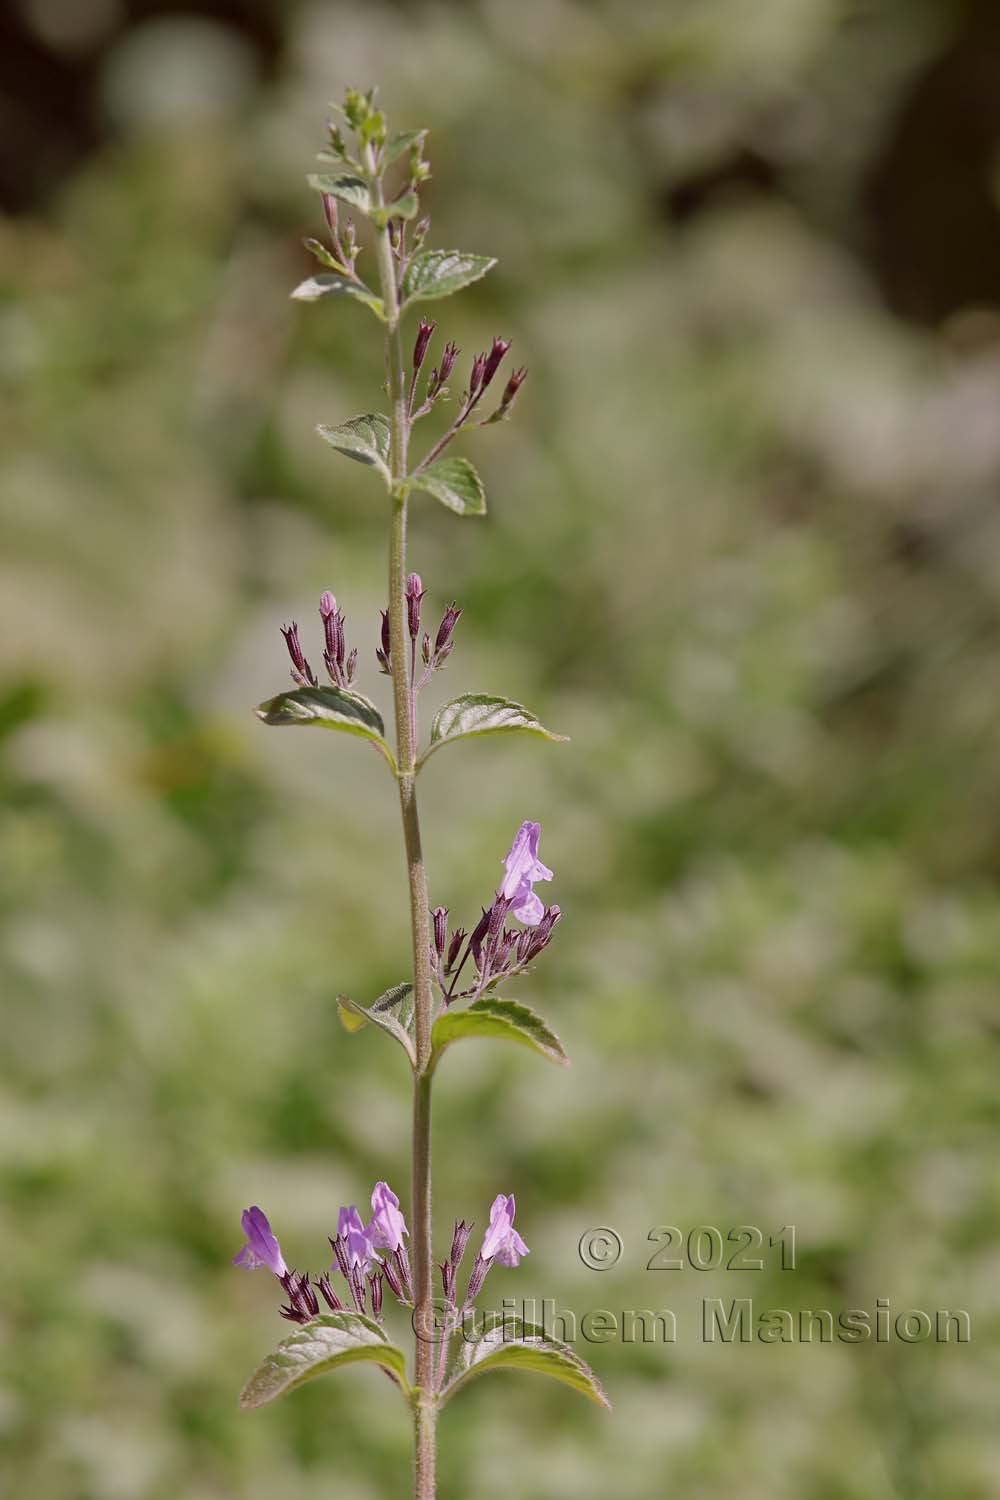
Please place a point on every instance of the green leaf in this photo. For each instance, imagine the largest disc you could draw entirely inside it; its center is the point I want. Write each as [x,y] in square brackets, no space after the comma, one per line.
[399,143]
[506,1019]
[327,1343]
[345,186]
[354,1016]
[509,1344]
[334,284]
[322,254]
[439,273]
[455,483]
[476,714]
[365,439]
[406,206]
[330,708]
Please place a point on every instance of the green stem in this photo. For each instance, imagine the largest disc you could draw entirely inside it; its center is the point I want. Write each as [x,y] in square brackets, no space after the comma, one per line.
[425,1411]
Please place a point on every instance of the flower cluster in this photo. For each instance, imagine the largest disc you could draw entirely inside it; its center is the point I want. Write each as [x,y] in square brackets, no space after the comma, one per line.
[341,664]
[356,1248]
[498,952]
[434,653]
[481,377]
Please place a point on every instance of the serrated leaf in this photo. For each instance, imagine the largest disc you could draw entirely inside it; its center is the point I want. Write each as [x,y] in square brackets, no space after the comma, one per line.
[509,1344]
[354,1016]
[475,714]
[455,483]
[329,708]
[346,186]
[440,273]
[334,284]
[329,1342]
[365,439]
[399,143]
[506,1019]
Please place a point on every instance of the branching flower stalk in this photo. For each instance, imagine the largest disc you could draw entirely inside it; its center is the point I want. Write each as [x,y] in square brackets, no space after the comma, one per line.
[454,992]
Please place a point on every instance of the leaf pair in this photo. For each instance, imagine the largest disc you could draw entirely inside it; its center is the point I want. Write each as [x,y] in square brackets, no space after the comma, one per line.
[470,716]
[335,1340]
[366,439]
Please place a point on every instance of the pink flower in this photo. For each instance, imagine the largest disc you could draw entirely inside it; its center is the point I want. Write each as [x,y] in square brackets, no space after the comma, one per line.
[387,1225]
[261,1248]
[357,1239]
[523,869]
[502,1240]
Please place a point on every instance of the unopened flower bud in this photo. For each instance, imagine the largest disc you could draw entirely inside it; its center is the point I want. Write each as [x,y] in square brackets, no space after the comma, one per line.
[339,1248]
[414,594]
[392,1276]
[425,650]
[512,387]
[302,672]
[375,1282]
[476,378]
[330,213]
[329,1295]
[494,359]
[424,334]
[479,1269]
[448,1281]
[459,1240]
[446,629]
[350,670]
[356,1281]
[402,1260]
[448,358]
[383,653]
[457,939]
[440,928]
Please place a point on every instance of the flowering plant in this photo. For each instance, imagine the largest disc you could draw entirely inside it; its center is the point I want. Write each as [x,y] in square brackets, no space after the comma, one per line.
[458,975]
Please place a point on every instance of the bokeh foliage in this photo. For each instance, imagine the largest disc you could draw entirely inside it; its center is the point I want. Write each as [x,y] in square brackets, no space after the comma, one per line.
[743,548]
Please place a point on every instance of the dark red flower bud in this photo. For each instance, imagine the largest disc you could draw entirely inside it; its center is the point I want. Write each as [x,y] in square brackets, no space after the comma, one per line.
[448,358]
[446,629]
[424,333]
[494,359]
[329,1295]
[302,672]
[457,939]
[414,594]
[375,1282]
[476,378]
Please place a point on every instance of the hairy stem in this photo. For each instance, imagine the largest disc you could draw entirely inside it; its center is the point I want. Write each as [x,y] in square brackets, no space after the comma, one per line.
[425,1414]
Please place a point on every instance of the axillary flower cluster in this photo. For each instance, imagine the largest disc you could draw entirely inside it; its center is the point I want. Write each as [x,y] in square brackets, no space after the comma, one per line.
[456,990]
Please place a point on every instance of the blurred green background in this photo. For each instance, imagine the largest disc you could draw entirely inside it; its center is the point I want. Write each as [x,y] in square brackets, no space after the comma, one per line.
[743,546]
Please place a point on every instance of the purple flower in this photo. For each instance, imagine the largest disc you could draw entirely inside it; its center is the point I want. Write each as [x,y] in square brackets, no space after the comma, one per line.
[523,869]
[502,1241]
[387,1225]
[357,1239]
[261,1248]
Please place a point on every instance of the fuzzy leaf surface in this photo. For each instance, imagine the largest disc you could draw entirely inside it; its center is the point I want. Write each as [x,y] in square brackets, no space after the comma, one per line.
[475,714]
[329,1342]
[492,1017]
[441,273]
